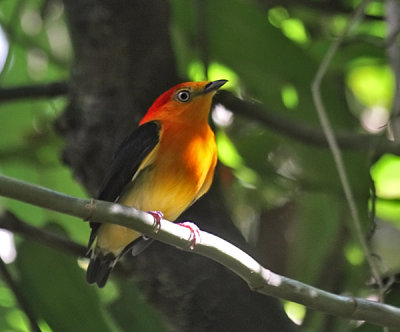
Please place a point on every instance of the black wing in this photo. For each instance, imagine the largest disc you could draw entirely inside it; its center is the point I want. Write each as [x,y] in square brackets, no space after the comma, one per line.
[128,158]
[126,161]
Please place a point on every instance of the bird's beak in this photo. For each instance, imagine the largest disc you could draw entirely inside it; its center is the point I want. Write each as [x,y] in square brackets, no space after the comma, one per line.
[213,86]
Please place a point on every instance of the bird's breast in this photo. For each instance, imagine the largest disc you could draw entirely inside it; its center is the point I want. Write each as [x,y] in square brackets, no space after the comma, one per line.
[180,168]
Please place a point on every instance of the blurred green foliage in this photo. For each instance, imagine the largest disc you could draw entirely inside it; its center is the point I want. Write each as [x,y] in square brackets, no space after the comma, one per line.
[269,55]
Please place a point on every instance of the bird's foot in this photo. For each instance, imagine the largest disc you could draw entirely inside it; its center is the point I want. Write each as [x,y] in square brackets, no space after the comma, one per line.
[195,236]
[157,215]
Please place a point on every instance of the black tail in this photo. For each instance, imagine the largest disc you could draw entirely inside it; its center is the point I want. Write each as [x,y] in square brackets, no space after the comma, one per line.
[99,268]
[100,264]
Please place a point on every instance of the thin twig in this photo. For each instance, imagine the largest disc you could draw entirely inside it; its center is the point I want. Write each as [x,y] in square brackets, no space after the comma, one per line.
[10,222]
[49,238]
[330,136]
[258,278]
[8,279]
[372,212]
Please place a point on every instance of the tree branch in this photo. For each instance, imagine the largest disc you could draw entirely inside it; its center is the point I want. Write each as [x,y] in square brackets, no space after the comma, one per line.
[49,238]
[303,132]
[10,222]
[34,91]
[334,147]
[258,278]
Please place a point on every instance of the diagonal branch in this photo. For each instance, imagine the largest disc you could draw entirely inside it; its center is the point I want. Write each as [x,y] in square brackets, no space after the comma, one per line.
[302,132]
[258,278]
[53,240]
[10,222]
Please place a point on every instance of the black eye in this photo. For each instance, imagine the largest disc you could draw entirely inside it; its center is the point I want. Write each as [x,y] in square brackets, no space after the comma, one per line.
[183,96]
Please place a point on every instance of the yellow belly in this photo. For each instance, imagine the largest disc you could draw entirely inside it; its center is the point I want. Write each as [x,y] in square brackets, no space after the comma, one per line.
[114,238]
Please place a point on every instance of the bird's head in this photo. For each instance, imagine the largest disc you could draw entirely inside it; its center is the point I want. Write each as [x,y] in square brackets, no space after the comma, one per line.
[190,101]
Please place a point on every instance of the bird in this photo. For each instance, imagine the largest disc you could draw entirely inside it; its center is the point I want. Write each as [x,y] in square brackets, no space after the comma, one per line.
[162,167]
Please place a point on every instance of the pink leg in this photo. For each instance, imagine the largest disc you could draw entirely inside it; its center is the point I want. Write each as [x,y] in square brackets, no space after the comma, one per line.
[195,232]
[157,215]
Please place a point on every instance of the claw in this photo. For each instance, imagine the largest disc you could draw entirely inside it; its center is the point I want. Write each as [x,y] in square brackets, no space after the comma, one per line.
[194,233]
[157,215]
